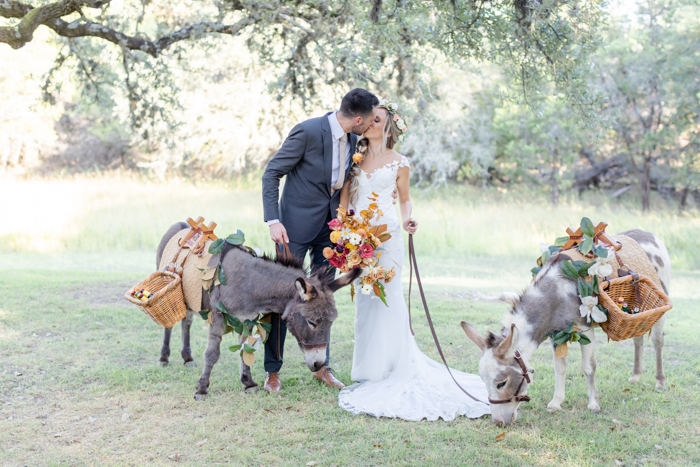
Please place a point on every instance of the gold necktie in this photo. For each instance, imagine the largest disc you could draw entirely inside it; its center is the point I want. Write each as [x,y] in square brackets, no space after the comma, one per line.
[341,164]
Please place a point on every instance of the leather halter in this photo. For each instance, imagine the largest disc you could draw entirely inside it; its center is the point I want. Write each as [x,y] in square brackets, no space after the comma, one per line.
[525,377]
[290,325]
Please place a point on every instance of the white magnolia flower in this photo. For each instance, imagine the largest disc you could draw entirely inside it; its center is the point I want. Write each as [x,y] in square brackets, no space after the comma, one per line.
[589,309]
[366,289]
[598,316]
[400,123]
[601,268]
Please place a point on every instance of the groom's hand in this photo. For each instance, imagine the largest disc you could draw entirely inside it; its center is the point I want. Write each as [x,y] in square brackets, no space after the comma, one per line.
[278,233]
[394,195]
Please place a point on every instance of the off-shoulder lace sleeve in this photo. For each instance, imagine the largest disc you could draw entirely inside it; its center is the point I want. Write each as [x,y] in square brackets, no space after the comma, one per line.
[404,162]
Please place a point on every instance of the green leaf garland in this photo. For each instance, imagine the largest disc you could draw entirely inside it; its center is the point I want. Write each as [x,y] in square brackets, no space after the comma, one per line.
[236,239]
[217,246]
[587,227]
[568,335]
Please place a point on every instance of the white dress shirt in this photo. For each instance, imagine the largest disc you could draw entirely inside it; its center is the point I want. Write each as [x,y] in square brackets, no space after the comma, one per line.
[337,132]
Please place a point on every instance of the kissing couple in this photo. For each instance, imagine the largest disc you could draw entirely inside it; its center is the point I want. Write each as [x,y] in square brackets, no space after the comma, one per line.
[393,377]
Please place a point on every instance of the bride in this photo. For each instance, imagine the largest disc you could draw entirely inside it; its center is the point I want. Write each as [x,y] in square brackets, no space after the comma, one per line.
[394,378]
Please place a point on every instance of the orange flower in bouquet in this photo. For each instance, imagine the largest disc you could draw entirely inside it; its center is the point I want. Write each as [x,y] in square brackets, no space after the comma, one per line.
[356,240]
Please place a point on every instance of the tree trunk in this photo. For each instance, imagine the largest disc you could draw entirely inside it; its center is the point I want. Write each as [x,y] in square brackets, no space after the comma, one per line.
[555,188]
[684,197]
[646,183]
[556,165]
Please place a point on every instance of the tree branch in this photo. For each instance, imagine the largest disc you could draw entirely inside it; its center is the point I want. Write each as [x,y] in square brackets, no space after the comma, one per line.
[49,16]
[16,37]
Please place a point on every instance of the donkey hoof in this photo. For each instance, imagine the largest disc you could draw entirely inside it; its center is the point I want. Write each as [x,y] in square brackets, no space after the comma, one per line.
[553,407]
[635,378]
[661,385]
[199,397]
[252,389]
[190,363]
[594,408]
[163,363]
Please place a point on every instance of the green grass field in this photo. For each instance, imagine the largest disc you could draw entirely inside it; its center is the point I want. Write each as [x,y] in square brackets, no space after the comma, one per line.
[80,382]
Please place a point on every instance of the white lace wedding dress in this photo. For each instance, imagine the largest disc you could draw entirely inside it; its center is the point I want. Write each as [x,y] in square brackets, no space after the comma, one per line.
[394,378]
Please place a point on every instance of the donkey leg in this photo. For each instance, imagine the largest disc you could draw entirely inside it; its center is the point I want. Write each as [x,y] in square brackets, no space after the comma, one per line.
[657,338]
[211,355]
[559,381]
[165,350]
[588,365]
[638,357]
[246,377]
[186,351]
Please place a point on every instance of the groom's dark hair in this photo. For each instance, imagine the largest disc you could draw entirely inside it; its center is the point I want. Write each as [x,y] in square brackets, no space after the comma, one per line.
[358,102]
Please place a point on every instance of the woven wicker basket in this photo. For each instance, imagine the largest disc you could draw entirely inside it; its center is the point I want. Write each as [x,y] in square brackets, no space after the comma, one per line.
[652,305]
[167,305]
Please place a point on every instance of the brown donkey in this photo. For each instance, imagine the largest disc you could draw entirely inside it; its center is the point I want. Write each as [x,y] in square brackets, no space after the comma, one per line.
[262,285]
[550,304]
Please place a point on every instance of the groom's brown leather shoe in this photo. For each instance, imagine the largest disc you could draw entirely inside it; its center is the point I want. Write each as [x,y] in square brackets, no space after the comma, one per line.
[272,382]
[325,375]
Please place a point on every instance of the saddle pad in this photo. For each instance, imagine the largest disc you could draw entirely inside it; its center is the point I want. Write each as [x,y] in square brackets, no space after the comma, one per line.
[632,255]
[191,274]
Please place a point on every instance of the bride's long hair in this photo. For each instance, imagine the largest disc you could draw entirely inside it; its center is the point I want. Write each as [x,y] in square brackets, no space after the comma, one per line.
[391,133]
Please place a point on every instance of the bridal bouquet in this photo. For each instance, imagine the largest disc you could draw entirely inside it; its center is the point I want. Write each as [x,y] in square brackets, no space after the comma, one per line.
[356,240]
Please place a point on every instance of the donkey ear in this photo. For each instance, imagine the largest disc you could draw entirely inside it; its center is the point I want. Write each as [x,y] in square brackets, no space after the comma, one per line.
[306,290]
[474,335]
[506,349]
[345,279]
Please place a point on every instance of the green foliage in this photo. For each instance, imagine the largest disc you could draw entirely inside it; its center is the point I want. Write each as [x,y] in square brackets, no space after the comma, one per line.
[569,270]
[568,335]
[539,147]
[587,227]
[646,71]
[235,239]
[216,247]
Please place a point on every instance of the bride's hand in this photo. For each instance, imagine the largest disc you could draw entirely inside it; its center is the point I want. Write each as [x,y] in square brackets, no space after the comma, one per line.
[410,225]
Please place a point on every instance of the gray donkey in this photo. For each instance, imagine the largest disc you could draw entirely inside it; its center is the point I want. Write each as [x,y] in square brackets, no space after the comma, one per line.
[262,285]
[550,304]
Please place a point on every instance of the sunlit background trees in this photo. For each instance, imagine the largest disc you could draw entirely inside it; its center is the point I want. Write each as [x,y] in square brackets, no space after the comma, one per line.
[553,96]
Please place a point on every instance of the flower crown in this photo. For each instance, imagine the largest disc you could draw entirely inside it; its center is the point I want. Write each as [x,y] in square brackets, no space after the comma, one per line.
[393,109]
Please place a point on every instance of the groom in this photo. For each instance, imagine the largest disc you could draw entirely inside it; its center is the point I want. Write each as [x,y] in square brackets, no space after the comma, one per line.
[315,158]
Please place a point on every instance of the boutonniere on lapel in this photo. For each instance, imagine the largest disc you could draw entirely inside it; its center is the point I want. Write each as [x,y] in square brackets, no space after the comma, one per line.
[359,154]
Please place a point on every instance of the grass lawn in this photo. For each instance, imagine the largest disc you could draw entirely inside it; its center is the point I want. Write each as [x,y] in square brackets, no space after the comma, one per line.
[80,383]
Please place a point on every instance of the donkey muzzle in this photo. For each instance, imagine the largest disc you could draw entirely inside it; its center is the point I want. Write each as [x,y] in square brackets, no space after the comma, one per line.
[315,357]
[504,415]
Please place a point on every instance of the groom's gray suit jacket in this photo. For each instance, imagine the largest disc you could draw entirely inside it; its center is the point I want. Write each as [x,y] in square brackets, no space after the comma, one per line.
[306,158]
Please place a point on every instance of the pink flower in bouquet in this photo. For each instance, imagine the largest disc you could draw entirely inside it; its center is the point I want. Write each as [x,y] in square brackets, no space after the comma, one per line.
[366,250]
[335,224]
[337,261]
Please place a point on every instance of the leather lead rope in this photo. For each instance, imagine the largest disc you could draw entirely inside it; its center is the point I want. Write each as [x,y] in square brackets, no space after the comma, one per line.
[286,254]
[414,264]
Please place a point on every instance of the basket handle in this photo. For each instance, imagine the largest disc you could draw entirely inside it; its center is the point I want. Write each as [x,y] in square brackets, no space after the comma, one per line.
[635,281]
